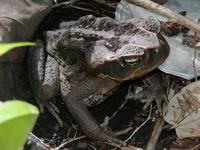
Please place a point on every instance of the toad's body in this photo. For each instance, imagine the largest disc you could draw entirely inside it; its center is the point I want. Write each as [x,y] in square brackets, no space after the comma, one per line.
[85,59]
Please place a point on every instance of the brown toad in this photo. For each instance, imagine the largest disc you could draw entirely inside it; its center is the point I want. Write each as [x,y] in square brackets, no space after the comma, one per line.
[86,59]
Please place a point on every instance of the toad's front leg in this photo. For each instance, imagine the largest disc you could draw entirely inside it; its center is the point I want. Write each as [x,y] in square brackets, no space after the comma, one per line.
[80,113]
[44,77]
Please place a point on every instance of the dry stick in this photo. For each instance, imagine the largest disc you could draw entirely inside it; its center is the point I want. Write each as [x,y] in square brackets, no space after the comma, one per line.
[194,64]
[155,134]
[118,109]
[124,131]
[69,141]
[68,3]
[195,55]
[138,128]
[37,142]
[196,147]
[107,119]
[167,13]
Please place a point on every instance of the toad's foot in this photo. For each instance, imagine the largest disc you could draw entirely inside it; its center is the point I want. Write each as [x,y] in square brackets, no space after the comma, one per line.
[105,135]
[54,111]
[52,108]
[118,133]
[155,92]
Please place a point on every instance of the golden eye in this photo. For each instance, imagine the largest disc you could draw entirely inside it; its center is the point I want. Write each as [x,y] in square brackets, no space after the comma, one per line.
[131,61]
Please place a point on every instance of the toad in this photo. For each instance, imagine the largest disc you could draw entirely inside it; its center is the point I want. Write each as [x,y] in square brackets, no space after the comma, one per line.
[84,60]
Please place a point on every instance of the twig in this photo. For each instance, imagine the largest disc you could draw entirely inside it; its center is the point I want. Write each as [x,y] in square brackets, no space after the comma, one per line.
[37,142]
[137,129]
[196,147]
[92,146]
[124,131]
[107,119]
[194,63]
[167,13]
[121,106]
[195,54]
[155,134]
[64,3]
[69,141]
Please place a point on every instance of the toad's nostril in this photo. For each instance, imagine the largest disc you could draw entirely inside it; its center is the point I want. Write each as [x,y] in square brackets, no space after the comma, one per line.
[156,51]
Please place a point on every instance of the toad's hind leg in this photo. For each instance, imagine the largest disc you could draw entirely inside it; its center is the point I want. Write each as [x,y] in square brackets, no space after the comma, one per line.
[76,107]
[44,77]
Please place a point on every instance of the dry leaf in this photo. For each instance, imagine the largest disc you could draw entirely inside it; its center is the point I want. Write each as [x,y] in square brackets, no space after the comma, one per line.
[183,111]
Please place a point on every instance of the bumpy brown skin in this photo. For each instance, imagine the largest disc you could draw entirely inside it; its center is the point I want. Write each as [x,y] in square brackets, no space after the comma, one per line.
[90,55]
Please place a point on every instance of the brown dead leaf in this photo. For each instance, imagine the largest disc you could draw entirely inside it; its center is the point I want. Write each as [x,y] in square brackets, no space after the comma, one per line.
[183,111]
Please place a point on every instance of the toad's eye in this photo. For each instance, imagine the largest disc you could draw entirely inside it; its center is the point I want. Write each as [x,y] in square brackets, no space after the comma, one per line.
[131,61]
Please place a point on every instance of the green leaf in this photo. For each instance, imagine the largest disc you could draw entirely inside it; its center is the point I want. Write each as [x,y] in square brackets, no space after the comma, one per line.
[17,119]
[5,47]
